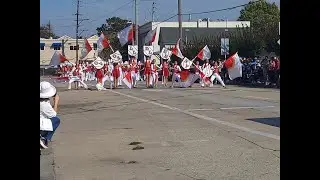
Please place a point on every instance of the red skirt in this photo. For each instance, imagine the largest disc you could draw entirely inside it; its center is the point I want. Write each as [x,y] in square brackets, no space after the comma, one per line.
[116,73]
[147,71]
[166,72]
[99,74]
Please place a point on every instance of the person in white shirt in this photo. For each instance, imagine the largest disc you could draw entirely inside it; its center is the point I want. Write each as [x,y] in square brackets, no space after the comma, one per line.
[49,121]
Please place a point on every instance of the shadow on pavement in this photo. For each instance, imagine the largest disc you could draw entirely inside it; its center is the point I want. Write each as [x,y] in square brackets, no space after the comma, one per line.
[274,121]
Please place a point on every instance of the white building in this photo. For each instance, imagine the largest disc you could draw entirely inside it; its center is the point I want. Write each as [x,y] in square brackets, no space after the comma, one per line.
[67,47]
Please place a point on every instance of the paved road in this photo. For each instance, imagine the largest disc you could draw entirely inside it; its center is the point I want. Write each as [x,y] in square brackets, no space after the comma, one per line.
[190,133]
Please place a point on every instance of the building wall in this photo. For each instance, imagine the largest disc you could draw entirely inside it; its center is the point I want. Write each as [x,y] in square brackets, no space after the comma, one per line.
[144,29]
[48,50]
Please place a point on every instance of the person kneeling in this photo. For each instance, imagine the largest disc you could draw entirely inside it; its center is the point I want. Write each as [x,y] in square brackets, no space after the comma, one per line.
[49,121]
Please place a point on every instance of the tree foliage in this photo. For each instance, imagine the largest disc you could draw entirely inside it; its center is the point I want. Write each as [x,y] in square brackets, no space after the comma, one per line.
[47,32]
[262,35]
[110,29]
[264,19]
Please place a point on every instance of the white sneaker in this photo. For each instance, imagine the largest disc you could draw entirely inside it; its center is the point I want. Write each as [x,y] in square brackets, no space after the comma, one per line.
[42,144]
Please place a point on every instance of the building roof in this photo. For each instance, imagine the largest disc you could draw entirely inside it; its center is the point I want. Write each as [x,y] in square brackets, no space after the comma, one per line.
[169,36]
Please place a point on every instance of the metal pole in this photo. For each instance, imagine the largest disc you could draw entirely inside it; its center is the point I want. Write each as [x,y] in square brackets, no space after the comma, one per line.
[136,23]
[153,11]
[77,33]
[180,21]
[225,46]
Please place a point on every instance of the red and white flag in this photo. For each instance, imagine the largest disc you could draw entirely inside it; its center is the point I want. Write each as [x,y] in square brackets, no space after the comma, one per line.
[151,36]
[87,48]
[102,42]
[204,53]
[234,66]
[127,80]
[176,50]
[126,35]
[57,59]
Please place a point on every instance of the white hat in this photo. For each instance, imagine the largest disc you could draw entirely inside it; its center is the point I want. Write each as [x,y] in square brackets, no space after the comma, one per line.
[47,90]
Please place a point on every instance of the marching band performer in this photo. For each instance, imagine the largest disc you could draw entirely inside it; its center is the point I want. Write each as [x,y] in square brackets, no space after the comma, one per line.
[107,74]
[165,72]
[175,73]
[154,74]
[206,65]
[99,75]
[147,71]
[216,75]
[116,74]
[74,77]
[134,71]
[120,66]
[139,70]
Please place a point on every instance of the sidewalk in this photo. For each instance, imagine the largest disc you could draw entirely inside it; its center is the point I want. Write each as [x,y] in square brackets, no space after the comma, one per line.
[46,165]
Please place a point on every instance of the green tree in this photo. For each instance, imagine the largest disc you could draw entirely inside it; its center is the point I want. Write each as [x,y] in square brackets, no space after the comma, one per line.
[244,41]
[264,18]
[110,29]
[47,32]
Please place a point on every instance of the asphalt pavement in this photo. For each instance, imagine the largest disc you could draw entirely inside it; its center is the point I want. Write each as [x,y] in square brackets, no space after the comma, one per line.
[184,133]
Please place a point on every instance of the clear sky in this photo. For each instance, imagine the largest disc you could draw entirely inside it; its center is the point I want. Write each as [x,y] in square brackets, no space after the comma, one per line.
[61,12]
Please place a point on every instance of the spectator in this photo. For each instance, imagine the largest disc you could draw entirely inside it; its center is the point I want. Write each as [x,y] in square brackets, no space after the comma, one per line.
[49,121]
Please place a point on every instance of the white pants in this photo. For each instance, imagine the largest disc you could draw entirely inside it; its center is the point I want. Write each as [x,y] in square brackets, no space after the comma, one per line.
[120,78]
[153,77]
[109,79]
[76,80]
[88,76]
[174,77]
[134,77]
[138,76]
[218,77]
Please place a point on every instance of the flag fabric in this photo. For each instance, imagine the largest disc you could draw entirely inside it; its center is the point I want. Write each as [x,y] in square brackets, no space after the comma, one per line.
[126,35]
[87,48]
[234,66]
[151,36]
[176,50]
[127,80]
[57,59]
[102,42]
[187,78]
[204,53]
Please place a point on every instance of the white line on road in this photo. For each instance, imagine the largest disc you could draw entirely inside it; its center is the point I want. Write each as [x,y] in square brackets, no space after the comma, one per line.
[153,90]
[256,97]
[202,117]
[257,107]
[201,109]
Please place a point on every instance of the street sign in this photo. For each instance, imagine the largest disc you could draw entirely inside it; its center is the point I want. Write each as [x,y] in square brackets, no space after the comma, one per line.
[278,41]
[224,46]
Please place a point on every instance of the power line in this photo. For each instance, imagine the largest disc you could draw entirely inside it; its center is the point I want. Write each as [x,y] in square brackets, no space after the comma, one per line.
[104,16]
[224,9]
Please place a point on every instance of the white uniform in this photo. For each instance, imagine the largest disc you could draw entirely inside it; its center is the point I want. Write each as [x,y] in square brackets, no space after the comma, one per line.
[176,74]
[216,76]
[108,76]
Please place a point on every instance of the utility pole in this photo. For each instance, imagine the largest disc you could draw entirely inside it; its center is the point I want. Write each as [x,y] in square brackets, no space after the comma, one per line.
[77,30]
[77,33]
[153,10]
[180,21]
[136,23]
[49,28]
